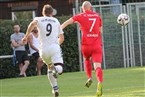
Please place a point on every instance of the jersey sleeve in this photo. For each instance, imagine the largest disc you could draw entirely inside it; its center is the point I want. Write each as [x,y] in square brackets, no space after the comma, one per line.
[76,18]
[36,19]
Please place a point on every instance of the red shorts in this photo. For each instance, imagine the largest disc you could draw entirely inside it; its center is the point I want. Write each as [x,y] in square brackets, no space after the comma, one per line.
[94,52]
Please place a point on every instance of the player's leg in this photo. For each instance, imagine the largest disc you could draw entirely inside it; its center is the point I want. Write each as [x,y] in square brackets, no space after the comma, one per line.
[53,71]
[52,54]
[88,69]
[56,69]
[99,76]
[99,72]
[86,51]
[50,74]
[97,60]
[53,81]
[57,61]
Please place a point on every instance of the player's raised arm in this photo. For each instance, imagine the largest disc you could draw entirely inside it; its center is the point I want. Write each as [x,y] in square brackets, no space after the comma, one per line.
[29,29]
[61,39]
[61,36]
[66,23]
[101,26]
[101,29]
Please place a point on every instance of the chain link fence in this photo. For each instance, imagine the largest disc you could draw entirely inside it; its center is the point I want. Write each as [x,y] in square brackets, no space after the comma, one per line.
[123,46]
[136,30]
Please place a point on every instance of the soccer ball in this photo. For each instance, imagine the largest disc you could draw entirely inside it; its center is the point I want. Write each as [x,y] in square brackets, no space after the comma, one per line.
[123,19]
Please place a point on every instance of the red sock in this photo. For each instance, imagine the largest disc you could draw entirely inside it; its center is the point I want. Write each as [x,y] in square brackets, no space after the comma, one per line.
[99,74]
[88,68]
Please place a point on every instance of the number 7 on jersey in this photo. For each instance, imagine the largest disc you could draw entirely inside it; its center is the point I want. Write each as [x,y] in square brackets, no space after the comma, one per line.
[94,21]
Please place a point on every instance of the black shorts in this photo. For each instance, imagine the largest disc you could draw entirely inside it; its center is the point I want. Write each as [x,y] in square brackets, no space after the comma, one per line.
[36,55]
[21,56]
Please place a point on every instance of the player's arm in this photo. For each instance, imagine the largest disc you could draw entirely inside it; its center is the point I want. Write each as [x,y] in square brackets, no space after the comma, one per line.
[61,36]
[29,29]
[61,39]
[101,29]
[66,23]
[30,41]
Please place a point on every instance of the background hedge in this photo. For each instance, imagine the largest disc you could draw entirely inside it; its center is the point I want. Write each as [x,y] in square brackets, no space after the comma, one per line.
[69,48]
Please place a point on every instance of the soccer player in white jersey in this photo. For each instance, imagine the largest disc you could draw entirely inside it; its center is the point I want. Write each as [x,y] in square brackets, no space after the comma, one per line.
[50,38]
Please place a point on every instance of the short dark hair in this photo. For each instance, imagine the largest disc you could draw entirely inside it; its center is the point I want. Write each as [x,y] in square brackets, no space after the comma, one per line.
[47,9]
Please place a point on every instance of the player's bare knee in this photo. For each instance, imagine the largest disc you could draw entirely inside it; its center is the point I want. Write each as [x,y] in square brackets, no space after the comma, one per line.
[96,65]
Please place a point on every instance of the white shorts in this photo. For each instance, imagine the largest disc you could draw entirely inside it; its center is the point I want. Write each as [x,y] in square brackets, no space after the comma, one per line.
[51,54]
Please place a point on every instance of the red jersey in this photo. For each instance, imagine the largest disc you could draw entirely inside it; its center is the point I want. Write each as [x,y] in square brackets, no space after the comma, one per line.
[90,23]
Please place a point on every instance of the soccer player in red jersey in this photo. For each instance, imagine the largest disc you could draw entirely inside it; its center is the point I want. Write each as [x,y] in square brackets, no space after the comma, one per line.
[91,27]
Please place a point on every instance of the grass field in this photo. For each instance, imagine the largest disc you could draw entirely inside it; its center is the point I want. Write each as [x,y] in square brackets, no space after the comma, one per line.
[117,83]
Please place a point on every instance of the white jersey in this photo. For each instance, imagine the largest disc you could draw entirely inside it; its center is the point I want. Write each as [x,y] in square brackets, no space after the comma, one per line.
[49,30]
[48,33]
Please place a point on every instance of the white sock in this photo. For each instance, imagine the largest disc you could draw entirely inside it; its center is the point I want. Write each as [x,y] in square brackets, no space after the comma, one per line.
[59,69]
[52,79]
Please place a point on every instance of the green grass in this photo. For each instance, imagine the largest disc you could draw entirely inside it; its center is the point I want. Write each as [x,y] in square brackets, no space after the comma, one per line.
[117,83]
